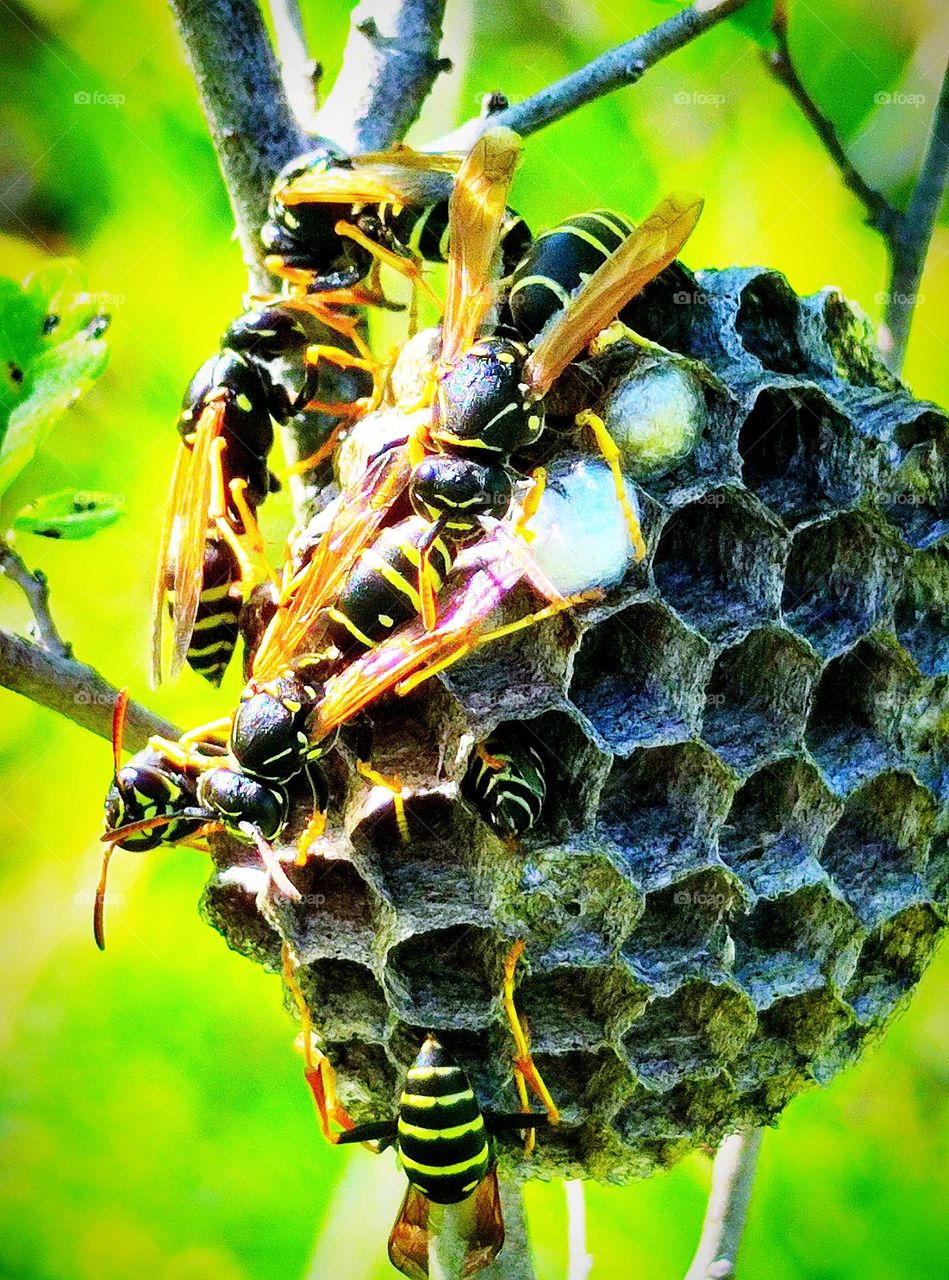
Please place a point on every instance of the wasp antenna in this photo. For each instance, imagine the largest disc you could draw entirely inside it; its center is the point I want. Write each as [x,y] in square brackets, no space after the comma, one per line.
[98,910]
[119,712]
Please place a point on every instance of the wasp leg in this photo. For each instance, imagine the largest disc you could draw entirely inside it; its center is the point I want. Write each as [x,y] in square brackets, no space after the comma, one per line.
[525,1072]
[409,267]
[620,332]
[317,1068]
[215,730]
[476,642]
[248,545]
[530,504]
[395,790]
[611,455]
[181,753]
[426,574]
[315,826]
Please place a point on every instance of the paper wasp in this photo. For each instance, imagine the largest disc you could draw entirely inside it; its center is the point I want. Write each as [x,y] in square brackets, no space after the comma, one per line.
[179,793]
[455,465]
[506,781]
[211,552]
[332,217]
[443,1134]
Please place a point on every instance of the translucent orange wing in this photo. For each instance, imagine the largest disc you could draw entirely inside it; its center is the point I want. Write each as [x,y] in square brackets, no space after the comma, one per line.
[358,517]
[409,1241]
[639,259]
[398,177]
[181,550]
[478,202]
[413,649]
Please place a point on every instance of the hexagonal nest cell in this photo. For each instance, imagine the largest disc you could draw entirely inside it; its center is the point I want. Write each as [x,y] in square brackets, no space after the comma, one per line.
[741,865]
[799,453]
[639,678]
[841,579]
[719,563]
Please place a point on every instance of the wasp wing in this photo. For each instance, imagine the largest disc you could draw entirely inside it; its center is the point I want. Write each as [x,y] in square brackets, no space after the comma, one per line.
[641,256]
[353,525]
[408,1240]
[181,545]
[479,1222]
[414,650]
[402,176]
[476,214]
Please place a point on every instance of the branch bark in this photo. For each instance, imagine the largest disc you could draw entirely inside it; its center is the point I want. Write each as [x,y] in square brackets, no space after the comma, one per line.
[910,244]
[906,234]
[389,66]
[33,584]
[733,1175]
[624,65]
[74,690]
[246,109]
[299,72]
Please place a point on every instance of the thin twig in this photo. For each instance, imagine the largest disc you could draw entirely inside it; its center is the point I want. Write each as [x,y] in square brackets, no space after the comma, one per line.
[910,244]
[622,66]
[73,689]
[33,584]
[389,66]
[243,99]
[906,234]
[515,1261]
[579,1261]
[733,1174]
[298,70]
[882,215]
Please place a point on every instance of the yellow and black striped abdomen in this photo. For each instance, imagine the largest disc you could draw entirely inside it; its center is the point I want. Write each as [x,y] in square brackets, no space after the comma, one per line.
[443,1143]
[381,592]
[558,262]
[215,633]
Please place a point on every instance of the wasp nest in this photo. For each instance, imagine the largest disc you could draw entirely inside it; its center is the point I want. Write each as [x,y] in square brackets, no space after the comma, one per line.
[741,868]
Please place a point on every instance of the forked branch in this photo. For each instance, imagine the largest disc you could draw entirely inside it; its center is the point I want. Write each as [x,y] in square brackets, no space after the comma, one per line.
[906,233]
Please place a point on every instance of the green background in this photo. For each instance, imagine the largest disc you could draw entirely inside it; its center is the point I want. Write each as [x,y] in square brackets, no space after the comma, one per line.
[153,1117]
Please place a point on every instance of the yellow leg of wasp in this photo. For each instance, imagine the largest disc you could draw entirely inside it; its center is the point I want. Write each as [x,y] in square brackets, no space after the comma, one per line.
[395,789]
[408,267]
[213,731]
[180,753]
[248,547]
[318,1069]
[530,504]
[475,642]
[619,332]
[525,1071]
[611,455]
[311,833]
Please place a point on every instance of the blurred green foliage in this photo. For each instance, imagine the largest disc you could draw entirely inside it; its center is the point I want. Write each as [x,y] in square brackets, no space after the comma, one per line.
[153,1116]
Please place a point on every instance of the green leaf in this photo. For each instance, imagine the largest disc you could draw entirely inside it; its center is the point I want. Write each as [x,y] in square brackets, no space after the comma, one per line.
[51,352]
[69,513]
[754,20]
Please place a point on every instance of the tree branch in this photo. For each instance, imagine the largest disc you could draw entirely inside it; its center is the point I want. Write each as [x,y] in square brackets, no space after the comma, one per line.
[299,72]
[881,214]
[75,690]
[622,66]
[906,235]
[733,1175]
[246,109]
[34,586]
[910,244]
[389,66]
